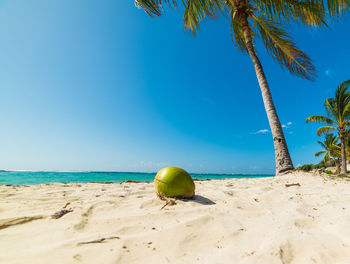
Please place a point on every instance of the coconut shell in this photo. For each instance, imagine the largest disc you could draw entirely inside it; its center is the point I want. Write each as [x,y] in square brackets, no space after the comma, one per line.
[174,182]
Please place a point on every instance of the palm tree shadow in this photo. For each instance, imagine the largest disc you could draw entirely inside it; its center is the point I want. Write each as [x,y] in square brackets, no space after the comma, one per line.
[200,199]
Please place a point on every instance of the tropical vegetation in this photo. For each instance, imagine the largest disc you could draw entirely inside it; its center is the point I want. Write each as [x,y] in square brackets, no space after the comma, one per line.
[337,119]
[331,150]
[264,19]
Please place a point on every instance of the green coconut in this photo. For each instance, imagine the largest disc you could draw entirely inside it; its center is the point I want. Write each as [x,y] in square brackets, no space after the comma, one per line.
[174,182]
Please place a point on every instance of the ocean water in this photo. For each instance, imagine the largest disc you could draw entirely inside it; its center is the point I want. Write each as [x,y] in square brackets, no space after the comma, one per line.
[39,177]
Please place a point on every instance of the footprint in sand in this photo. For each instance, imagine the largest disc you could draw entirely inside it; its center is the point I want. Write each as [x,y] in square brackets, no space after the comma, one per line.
[85,216]
[286,253]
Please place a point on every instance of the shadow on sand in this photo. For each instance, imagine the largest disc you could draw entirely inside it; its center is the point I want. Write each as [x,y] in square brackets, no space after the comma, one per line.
[199,199]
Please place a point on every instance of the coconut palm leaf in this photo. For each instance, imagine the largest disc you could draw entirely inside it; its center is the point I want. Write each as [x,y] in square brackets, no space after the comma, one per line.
[154,7]
[320,119]
[330,146]
[343,102]
[331,108]
[322,144]
[338,107]
[283,48]
[325,130]
[335,151]
[342,99]
[320,153]
[310,13]
[337,8]
[197,10]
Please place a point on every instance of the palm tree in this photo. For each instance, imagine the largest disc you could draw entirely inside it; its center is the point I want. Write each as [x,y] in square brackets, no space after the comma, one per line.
[251,19]
[331,148]
[338,112]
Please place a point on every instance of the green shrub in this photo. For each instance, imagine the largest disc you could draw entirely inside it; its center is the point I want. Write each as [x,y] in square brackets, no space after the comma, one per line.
[326,171]
[306,167]
[318,166]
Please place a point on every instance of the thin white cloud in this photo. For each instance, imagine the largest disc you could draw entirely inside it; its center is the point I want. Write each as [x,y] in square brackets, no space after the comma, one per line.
[329,72]
[261,131]
[265,131]
[287,125]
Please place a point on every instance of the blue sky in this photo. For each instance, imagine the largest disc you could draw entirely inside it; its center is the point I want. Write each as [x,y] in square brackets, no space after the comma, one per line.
[99,85]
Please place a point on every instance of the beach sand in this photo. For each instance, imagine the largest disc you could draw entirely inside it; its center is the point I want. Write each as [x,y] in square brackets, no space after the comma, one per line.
[230,221]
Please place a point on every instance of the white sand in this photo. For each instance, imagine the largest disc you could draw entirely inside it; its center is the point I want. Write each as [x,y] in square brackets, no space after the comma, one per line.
[231,221]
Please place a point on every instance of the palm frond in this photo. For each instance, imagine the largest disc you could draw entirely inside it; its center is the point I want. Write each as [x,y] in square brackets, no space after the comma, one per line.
[319,119]
[310,13]
[331,139]
[197,10]
[320,153]
[326,158]
[342,98]
[329,144]
[337,8]
[335,151]
[346,112]
[154,7]
[325,130]
[281,46]
[331,107]
[323,144]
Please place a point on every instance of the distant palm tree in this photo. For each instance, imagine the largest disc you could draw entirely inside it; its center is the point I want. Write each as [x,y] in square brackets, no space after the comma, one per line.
[251,19]
[338,112]
[331,148]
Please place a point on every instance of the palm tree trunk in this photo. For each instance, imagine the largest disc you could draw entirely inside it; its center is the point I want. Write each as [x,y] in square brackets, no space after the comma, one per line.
[283,161]
[343,156]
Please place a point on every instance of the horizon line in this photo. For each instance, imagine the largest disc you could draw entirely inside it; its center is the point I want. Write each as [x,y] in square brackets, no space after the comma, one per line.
[135,172]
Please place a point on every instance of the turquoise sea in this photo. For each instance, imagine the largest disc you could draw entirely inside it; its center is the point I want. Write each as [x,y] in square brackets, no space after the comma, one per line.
[38,177]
